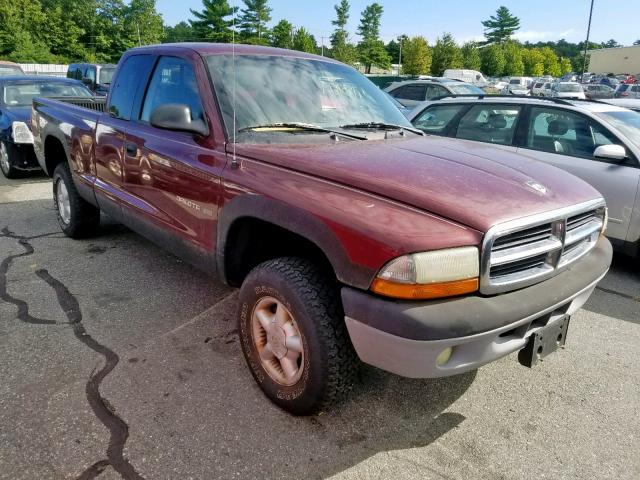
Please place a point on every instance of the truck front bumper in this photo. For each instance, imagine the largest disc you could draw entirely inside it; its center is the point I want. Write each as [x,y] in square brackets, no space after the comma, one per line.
[407,338]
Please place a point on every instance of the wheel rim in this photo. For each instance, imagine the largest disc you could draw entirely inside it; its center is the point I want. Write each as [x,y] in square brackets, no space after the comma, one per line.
[4,157]
[63,204]
[278,341]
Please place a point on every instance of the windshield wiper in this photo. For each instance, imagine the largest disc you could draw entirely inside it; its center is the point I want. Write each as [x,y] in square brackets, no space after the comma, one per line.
[301,126]
[381,126]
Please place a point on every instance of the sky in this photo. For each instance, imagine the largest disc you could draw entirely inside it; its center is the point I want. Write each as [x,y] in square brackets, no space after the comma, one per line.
[540,20]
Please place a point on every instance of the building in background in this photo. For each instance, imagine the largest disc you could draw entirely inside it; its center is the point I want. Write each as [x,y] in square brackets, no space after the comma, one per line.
[615,60]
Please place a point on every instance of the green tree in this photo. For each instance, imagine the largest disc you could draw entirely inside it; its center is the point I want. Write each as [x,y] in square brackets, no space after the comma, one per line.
[471,56]
[514,66]
[341,47]
[416,56]
[551,63]
[611,44]
[446,54]
[371,49]
[533,61]
[501,26]
[565,66]
[304,41]
[142,23]
[492,60]
[181,32]
[254,19]
[394,48]
[282,35]
[213,23]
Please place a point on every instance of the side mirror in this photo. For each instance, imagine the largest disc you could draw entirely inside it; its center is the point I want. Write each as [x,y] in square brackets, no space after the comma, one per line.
[177,117]
[87,81]
[610,152]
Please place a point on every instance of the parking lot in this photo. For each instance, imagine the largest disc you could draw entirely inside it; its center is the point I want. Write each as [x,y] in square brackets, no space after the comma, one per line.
[117,360]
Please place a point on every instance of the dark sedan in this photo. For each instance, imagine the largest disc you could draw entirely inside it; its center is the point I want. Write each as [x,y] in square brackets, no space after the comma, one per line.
[16,96]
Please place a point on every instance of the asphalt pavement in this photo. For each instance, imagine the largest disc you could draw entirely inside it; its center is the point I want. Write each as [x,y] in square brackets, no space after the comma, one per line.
[118,360]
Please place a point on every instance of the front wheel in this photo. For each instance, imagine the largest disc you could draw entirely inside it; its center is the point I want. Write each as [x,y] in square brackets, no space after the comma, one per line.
[294,337]
[8,161]
[77,217]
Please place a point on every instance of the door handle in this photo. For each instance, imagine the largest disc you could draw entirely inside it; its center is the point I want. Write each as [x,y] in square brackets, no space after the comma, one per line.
[131,149]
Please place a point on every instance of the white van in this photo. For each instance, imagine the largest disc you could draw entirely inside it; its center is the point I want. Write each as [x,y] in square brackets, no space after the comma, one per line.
[469,76]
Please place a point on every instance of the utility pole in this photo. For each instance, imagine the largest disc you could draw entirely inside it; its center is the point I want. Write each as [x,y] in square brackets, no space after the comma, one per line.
[586,44]
[322,40]
[139,39]
[400,57]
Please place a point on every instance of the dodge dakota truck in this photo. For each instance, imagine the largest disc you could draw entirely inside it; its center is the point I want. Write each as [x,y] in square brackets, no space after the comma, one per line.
[352,236]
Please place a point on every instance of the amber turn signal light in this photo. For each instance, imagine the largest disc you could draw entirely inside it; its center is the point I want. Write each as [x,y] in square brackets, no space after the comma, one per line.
[424,291]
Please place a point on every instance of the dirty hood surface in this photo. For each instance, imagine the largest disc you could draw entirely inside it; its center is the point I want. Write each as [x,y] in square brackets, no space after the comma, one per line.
[473,184]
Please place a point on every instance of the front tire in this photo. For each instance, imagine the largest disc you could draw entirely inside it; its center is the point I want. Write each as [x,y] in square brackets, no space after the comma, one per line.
[77,217]
[8,161]
[294,337]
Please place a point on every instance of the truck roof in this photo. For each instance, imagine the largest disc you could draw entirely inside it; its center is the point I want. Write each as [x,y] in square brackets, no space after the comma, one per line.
[229,48]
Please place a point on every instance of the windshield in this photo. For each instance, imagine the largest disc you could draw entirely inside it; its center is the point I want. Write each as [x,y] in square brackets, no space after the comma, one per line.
[465,89]
[627,121]
[273,89]
[22,94]
[106,74]
[569,87]
[514,81]
[7,70]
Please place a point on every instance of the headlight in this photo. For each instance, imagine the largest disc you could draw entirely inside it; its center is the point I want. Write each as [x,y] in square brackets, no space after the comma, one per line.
[605,221]
[21,133]
[437,274]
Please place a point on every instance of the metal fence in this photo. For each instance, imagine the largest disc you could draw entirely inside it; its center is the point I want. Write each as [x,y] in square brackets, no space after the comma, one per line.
[45,69]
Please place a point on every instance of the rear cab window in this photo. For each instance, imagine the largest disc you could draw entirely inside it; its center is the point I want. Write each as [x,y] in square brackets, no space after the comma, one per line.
[410,92]
[131,80]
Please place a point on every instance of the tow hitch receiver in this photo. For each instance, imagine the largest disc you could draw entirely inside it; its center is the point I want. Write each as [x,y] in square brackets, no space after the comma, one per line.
[544,342]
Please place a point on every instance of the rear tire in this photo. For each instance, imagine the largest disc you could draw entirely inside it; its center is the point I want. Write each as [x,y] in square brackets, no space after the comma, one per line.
[309,364]
[77,217]
[8,161]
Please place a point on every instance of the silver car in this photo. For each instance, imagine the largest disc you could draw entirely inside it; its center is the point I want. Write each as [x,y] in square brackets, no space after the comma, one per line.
[413,92]
[596,141]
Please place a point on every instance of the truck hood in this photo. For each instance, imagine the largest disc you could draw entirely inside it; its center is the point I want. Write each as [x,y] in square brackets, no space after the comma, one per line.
[470,183]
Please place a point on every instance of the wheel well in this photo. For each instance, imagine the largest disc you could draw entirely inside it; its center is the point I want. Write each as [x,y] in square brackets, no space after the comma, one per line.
[54,154]
[251,241]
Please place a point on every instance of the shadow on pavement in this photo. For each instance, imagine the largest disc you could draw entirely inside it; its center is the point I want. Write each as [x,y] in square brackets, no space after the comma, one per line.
[194,410]
[618,294]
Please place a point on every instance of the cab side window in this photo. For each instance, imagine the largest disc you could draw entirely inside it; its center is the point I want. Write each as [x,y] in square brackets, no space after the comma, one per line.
[489,123]
[173,81]
[410,92]
[436,120]
[565,133]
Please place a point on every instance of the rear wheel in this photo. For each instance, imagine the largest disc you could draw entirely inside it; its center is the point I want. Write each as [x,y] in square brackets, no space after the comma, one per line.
[77,217]
[294,337]
[7,161]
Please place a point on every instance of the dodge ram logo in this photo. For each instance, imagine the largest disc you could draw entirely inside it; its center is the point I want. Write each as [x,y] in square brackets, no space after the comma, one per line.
[537,187]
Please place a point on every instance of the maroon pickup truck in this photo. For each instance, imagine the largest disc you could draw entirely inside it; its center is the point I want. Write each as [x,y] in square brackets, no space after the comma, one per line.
[349,233]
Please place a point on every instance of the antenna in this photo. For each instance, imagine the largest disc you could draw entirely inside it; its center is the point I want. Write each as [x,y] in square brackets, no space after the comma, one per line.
[234,160]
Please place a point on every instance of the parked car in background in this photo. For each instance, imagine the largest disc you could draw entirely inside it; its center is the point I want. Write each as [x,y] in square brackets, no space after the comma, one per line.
[518,86]
[613,82]
[97,77]
[469,76]
[8,69]
[16,98]
[349,233]
[595,141]
[541,89]
[627,91]
[413,92]
[567,90]
[597,91]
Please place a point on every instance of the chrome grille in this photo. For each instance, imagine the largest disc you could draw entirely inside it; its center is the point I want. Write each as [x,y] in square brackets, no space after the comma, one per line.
[526,251]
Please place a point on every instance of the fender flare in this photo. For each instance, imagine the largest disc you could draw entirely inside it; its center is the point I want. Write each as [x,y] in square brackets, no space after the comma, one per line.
[297,221]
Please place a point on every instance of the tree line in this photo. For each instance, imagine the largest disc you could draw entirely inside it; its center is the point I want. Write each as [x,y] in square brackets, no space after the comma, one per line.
[62,31]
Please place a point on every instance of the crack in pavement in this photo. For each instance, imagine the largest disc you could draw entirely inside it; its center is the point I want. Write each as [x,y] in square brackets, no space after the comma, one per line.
[118,428]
